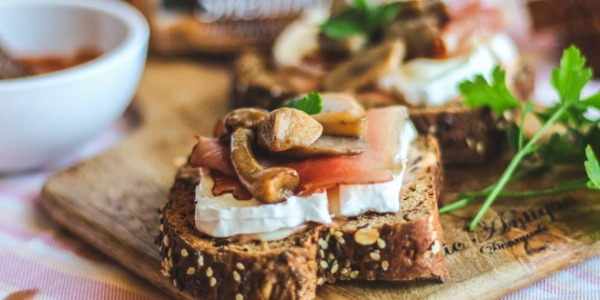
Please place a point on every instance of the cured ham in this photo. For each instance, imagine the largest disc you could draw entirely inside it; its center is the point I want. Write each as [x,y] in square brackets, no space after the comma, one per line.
[375,165]
[226,184]
[319,173]
[470,20]
[210,153]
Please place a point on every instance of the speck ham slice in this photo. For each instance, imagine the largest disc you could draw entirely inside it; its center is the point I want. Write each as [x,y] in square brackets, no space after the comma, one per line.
[469,20]
[210,153]
[384,126]
[375,165]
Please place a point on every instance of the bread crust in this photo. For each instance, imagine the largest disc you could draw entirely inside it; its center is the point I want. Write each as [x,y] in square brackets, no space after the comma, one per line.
[466,135]
[408,245]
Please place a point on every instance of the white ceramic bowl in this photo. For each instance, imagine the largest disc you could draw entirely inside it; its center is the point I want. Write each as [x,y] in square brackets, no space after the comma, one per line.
[44,117]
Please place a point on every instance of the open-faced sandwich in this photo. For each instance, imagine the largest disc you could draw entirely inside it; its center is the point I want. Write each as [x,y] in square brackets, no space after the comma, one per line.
[412,53]
[280,202]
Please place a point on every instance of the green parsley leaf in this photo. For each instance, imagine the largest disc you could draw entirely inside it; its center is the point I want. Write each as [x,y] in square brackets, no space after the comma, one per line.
[593,101]
[592,168]
[361,4]
[361,19]
[383,15]
[559,150]
[495,95]
[572,76]
[573,116]
[345,25]
[575,145]
[569,81]
[311,104]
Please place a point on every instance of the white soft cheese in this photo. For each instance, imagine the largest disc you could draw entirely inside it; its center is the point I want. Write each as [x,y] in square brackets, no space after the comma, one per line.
[225,216]
[300,38]
[378,197]
[431,82]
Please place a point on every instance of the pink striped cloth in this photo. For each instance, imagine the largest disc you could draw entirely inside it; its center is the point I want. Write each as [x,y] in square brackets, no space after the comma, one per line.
[39,260]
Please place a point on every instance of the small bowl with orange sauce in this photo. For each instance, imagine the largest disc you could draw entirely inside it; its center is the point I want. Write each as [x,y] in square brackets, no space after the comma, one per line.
[84,60]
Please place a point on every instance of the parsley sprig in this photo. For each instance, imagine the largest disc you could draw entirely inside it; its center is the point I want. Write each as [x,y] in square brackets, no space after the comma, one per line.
[592,167]
[577,145]
[311,104]
[361,19]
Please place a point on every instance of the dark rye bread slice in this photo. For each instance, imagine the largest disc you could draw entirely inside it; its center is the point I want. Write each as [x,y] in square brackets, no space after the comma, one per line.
[574,17]
[467,135]
[398,247]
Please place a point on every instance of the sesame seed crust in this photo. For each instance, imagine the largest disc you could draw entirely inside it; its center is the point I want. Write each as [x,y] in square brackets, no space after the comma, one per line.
[224,269]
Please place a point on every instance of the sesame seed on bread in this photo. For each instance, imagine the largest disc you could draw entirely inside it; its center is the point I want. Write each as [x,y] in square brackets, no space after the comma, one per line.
[397,247]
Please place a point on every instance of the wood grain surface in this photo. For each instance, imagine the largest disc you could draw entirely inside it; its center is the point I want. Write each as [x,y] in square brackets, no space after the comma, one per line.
[111,201]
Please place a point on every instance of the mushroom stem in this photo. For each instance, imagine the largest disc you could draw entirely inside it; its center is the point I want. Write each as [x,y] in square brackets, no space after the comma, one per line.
[267,185]
[366,68]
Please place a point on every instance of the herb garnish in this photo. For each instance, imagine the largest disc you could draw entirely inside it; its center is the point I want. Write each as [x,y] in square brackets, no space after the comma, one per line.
[311,104]
[592,168]
[361,19]
[575,146]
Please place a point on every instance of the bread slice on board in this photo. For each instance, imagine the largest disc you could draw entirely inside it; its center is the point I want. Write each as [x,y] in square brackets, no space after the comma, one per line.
[467,135]
[397,247]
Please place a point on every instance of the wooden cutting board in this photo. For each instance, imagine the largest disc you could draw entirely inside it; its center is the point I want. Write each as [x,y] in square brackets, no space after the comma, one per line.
[111,201]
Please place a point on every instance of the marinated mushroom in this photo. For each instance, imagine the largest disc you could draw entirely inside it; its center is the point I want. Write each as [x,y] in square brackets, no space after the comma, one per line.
[287,128]
[346,47]
[434,8]
[411,9]
[421,36]
[366,68]
[267,185]
[328,145]
[439,10]
[257,84]
[245,117]
[338,6]
[418,25]
[342,115]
